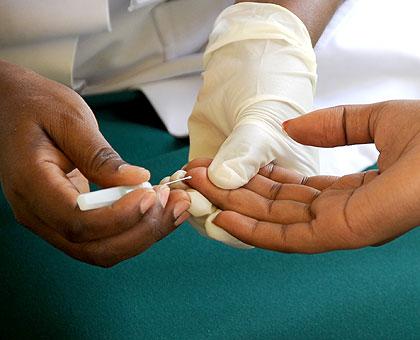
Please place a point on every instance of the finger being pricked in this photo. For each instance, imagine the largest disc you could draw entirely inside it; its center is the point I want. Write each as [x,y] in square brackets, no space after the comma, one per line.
[249,202]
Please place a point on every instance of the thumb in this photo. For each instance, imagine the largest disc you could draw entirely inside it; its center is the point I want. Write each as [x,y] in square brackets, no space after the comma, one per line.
[89,151]
[340,125]
[241,156]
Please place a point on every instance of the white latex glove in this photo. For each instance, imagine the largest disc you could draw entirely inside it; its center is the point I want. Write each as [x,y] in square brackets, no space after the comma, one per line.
[260,70]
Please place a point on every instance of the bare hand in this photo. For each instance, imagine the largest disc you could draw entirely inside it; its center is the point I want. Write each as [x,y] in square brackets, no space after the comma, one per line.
[50,144]
[285,211]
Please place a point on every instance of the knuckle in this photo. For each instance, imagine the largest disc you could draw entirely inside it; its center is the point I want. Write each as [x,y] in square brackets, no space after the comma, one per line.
[270,207]
[102,157]
[75,231]
[275,190]
[314,194]
[157,232]
[304,180]
[308,213]
[270,170]
[20,218]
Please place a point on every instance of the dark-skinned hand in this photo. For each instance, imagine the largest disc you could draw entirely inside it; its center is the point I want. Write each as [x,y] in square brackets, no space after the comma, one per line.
[50,147]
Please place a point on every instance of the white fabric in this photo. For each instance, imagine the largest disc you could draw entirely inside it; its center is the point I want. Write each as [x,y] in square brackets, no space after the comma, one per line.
[151,40]
[370,52]
[136,4]
[28,21]
[260,70]
[133,46]
[165,40]
[51,58]
[172,99]
[43,35]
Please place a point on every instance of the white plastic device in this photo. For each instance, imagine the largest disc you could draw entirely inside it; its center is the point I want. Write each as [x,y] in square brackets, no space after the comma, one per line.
[105,197]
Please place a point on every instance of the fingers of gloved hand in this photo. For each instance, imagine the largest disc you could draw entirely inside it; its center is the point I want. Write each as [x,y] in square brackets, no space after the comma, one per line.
[79,181]
[340,125]
[282,175]
[279,191]
[288,238]
[248,202]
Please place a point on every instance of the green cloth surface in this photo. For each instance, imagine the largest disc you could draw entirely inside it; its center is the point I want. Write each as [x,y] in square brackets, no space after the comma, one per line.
[189,287]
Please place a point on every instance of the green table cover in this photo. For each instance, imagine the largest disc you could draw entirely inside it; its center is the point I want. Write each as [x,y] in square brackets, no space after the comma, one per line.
[189,287]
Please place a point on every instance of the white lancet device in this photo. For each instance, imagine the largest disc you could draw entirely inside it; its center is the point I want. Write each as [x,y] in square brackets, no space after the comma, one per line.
[106,197]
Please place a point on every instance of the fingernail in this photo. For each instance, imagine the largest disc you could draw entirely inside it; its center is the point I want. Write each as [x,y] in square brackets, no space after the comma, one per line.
[181,219]
[180,207]
[124,167]
[147,202]
[163,194]
[165,180]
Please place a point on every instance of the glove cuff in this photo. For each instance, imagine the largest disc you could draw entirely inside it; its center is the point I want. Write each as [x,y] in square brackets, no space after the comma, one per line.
[256,21]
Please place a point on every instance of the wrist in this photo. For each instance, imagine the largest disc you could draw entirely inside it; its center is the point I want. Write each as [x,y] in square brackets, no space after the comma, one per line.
[262,21]
[315,14]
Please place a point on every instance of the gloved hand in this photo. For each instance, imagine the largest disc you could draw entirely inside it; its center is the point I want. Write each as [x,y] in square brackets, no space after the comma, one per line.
[260,70]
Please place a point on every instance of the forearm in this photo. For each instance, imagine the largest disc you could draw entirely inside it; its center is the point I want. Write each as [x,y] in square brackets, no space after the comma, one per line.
[315,14]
